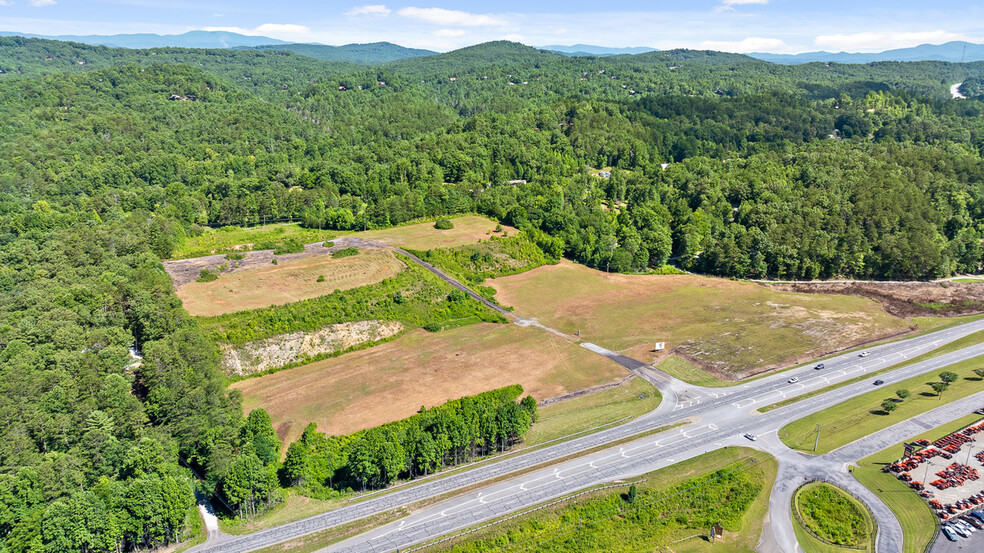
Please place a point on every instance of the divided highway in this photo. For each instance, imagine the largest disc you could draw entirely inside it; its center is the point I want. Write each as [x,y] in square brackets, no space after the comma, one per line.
[719,416]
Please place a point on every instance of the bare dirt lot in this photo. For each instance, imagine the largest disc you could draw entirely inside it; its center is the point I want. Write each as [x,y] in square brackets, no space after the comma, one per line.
[262,285]
[730,329]
[905,299]
[391,381]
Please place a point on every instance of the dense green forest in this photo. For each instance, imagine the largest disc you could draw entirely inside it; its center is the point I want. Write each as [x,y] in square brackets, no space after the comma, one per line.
[110,158]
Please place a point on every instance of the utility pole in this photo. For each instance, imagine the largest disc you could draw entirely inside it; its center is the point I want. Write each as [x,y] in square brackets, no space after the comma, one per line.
[817,442]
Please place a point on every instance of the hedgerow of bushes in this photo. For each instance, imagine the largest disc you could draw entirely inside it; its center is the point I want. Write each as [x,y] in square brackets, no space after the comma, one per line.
[414,297]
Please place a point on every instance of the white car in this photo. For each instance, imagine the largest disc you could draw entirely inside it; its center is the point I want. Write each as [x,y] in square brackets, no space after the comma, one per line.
[794,380]
[864,354]
[751,437]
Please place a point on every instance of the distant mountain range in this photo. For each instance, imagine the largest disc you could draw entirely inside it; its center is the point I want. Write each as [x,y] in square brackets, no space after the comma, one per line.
[379,52]
[590,50]
[955,52]
[191,39]
[376,52]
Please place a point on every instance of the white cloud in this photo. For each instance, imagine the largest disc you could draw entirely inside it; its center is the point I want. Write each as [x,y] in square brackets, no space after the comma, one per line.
[441,16]
[885,40]
[42,3]
[751,44]
[449,32]
[273,30]
[6,3]
[216,15]
[374,9]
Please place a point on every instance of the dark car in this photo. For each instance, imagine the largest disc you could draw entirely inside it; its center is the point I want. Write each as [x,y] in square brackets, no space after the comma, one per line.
[879,382]
[819,366]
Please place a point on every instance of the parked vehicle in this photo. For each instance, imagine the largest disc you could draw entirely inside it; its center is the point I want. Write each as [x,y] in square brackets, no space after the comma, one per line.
[977,515]
[946,532]
[960,532]
[973,522]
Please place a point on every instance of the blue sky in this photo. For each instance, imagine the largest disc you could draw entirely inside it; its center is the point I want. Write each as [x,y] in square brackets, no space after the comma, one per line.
[783,26]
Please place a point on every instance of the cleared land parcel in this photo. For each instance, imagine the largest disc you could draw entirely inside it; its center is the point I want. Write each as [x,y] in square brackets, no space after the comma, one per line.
[731,329]
[287,282]
[392,380]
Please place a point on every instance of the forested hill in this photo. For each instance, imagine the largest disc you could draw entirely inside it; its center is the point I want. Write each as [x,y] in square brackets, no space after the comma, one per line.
[719,163]
[370,53]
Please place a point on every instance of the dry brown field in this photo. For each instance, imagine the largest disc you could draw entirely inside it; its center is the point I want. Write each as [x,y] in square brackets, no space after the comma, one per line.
[391,381]
[287,282]
[468,229]
[731,329]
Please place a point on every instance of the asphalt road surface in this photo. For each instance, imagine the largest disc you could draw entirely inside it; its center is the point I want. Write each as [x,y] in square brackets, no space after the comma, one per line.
[720,416]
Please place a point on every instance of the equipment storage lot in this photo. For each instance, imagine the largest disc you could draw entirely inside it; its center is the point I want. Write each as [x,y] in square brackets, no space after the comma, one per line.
[391,381]
[731,329]
[286,282]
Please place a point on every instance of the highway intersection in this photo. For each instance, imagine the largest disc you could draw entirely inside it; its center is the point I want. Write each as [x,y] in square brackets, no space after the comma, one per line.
[715,417]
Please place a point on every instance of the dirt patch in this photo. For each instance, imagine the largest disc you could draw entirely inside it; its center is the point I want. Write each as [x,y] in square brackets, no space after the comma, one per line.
[729,328]
[278,351]
[289,281]
[468,229]
[185,271]
[392,380]
[904,299]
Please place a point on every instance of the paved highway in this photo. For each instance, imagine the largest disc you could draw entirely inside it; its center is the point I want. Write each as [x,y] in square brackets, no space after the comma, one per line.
[720,414]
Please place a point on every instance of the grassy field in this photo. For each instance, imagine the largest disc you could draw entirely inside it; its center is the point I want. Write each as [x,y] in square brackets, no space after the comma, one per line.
[635,397]
[391,381]
[834,515]
[684,370]
[468,229]
[230,239]
[730,328]
[862,415]
[556,529]
[917,520]
[287,282]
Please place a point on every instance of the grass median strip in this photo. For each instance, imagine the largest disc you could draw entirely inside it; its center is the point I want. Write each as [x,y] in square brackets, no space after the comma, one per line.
[324,538]
[966,341]
[917,520]
[865,414]
[660,512]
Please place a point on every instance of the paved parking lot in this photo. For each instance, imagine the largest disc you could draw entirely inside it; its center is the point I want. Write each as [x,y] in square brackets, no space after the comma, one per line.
[974,543]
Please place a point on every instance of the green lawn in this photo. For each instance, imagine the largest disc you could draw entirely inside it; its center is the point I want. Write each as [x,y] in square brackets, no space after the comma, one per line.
[555,528]
[917,520]
[834,515]
[214,241]
[632,399]
[862,415]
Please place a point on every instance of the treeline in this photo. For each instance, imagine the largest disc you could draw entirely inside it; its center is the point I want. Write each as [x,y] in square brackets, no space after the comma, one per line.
[322,466]
[434,438]
[113,143]
[96,446]
[500,255]
[414,297]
